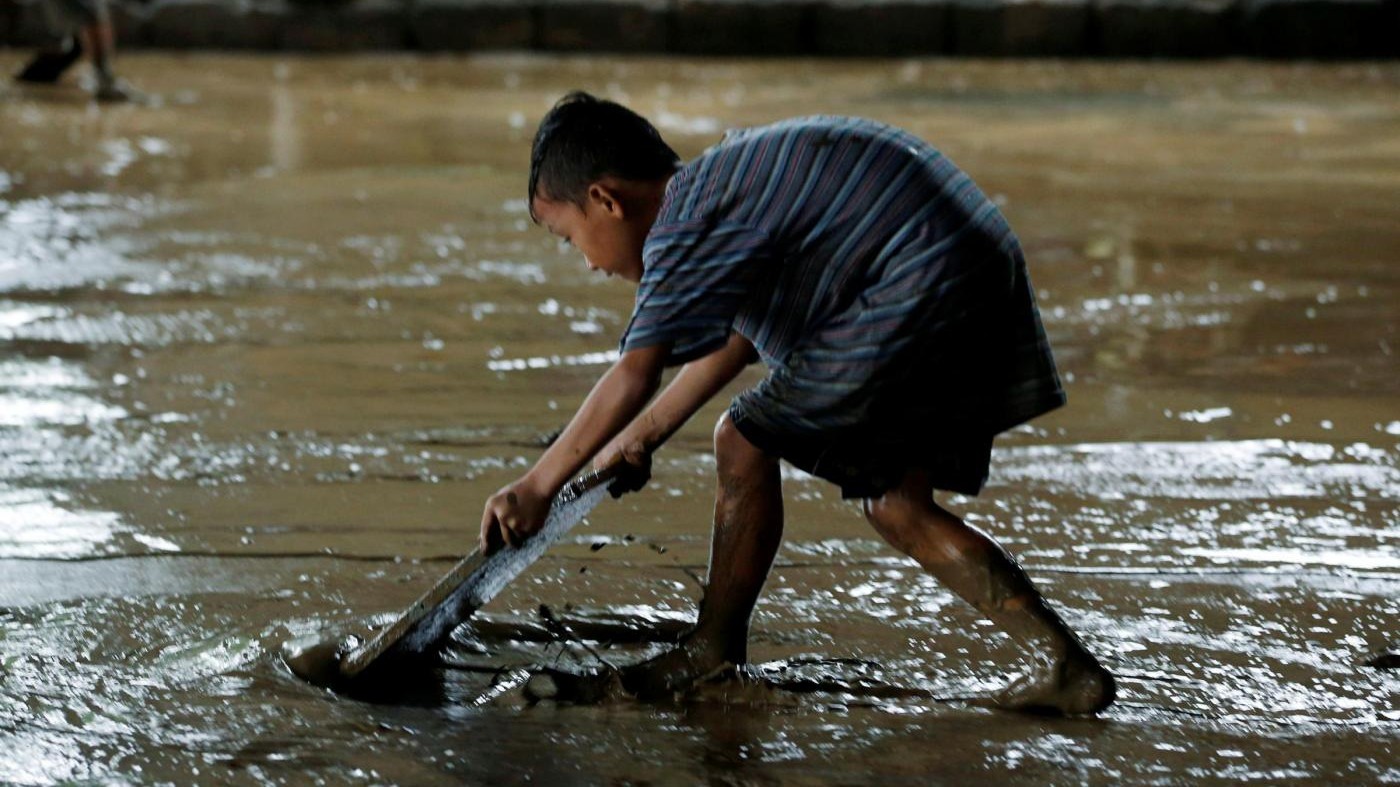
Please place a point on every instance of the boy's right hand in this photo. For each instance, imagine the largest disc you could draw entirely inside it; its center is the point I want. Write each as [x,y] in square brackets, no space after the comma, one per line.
[516,512]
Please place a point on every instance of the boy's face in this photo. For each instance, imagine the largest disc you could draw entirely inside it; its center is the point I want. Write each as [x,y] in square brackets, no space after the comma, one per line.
[610,239]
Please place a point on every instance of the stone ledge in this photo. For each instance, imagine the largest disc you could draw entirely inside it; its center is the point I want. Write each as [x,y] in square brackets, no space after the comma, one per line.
[1322,29]
[602,25]
[212,24]
[1168,28]
[737,27]
[882,29]
[360,25]
[467,25]
[1038,28]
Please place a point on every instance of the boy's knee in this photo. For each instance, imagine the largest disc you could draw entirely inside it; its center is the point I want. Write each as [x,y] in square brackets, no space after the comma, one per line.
[876,510]
[891,511]
[734,452]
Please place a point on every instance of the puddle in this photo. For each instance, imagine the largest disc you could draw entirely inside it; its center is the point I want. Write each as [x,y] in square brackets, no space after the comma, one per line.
[266,345]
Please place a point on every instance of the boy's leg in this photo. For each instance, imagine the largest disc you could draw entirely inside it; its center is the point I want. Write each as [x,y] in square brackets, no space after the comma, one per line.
[1067,678]
[748,527]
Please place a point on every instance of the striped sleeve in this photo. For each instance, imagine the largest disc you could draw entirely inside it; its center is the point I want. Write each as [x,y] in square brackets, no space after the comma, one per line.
[697,275]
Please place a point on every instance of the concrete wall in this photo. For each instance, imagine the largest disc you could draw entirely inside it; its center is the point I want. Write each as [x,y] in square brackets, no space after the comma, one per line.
[990,28]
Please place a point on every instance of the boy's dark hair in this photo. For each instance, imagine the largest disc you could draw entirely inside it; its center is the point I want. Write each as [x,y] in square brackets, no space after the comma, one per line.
[584,138]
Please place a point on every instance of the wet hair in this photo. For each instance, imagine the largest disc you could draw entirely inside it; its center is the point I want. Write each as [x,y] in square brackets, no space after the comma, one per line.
[584,138]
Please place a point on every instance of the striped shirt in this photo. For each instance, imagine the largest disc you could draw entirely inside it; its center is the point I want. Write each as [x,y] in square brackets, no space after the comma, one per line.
[877,282]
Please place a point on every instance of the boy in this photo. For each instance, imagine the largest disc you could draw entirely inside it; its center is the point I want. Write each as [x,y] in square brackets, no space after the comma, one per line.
[889,300]
[74,22]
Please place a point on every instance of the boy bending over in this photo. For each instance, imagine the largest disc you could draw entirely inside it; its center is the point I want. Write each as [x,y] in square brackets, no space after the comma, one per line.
[890,302]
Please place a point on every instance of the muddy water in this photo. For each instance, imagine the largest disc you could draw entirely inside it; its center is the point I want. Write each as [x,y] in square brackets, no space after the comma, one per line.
[266,345]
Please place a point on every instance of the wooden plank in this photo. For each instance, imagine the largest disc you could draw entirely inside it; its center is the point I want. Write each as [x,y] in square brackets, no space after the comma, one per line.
[475,580]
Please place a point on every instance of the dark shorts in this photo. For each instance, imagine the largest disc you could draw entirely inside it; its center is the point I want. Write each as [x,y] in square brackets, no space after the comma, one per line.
[919,375]
[66,17]
[955,463]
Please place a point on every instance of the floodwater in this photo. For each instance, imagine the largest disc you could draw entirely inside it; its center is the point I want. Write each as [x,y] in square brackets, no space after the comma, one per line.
[267,344]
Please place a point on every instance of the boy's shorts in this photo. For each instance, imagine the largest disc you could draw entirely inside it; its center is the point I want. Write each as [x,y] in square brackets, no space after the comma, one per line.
[955,463]
[927,388]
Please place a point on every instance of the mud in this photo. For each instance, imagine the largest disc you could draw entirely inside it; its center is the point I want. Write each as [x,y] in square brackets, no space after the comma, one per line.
[268,343]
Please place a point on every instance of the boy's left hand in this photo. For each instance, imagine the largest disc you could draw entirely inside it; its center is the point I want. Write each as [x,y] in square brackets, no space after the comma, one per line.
[637,472]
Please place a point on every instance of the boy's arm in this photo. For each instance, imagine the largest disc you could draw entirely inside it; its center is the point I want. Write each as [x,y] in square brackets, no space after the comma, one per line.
[696,383]
[519,509]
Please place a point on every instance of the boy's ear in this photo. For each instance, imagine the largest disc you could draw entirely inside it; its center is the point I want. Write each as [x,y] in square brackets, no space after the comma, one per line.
[606,199]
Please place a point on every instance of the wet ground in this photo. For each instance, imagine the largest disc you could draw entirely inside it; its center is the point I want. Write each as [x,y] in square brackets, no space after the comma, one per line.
[267,343]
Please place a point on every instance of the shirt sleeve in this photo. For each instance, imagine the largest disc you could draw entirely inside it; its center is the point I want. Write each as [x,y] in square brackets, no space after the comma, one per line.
[696,276]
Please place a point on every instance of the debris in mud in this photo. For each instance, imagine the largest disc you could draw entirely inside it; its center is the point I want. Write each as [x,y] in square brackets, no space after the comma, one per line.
[569,637]
[587,688]
[502,685]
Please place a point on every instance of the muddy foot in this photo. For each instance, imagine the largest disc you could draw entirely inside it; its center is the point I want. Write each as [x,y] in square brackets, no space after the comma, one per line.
[675,670]
[1070,688]
[662,677]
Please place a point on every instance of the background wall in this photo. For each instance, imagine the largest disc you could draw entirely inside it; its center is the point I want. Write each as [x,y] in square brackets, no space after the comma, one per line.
[1037,28]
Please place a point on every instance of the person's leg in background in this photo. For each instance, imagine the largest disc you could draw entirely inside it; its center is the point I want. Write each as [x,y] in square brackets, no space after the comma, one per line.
[79,26]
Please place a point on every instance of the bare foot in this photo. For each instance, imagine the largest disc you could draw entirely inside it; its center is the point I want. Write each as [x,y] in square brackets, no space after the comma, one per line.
[1075,686]
[679,668]
[663,676]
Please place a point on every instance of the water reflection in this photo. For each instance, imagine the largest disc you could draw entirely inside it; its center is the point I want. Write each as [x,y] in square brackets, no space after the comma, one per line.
[284,132]
[1351,558]
[35,523]
[53,408]
[545,362]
